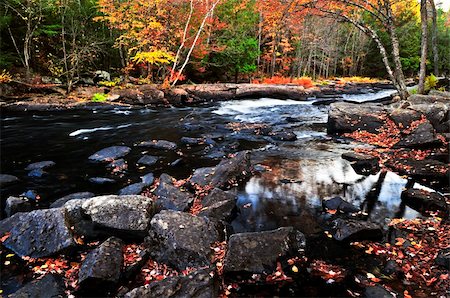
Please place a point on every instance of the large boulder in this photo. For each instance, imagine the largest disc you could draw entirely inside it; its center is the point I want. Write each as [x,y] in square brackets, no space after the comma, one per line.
[227,172]
[198,284]
[171,197]
[423,201]
[348,117]
[51,285]
[355,230]
[258,252]
[363,164]
[109,154]
[100,270]
[39,233]
[182,239]
[74,196]
[17,204]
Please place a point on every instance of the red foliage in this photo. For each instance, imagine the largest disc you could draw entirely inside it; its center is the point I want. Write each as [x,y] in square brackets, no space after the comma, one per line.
[219,249]
[328,272]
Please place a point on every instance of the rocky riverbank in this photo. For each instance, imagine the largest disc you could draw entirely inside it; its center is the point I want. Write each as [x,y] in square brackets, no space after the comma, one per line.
[165,237]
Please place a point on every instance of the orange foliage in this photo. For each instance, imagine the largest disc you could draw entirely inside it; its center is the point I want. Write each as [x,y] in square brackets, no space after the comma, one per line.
[277,80]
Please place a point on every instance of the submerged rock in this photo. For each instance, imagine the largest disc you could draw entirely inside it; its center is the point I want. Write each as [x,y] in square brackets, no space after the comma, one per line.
[182,239]
[363,164]
[40,165]
[171,197]
[51,285]
[159,144]
[17,204]
[6,179]
[148,160]
[198,284]
[74,196]
[355,230]
[101,180]
[39,233]
[109,154]
[258,252]
[132,189]
[100,270]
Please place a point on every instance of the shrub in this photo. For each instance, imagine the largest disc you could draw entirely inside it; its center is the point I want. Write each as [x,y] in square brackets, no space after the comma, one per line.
[99,97]
[5,77]
[430,82]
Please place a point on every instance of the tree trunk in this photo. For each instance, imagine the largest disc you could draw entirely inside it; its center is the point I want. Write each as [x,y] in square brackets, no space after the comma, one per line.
[434,42]
[423,58]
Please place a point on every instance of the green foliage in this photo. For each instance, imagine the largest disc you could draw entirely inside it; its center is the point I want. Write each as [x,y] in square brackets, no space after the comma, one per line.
[413,90]
[430,82]
[99,97]
[112,83]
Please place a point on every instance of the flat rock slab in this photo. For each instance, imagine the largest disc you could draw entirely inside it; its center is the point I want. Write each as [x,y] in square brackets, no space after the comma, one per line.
[171,197]
[355,230]
[6,179]
[51,285]
[198,284]
[124,215]
[74,196]
[40,165]
[423,135]
[225,173]
[132,189]
[109,154]
[148,160]
[159,144]
[427,168]
[181,239]
[39,233]
[258,252]
[423,201]
[363,164]
[100,270]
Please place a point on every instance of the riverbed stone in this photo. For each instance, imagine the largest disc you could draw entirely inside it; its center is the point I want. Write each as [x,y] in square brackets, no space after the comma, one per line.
[159,144]
[181,239]
[443,258]
[355,230]
[40,165]
[227,172]
[6,179]
[100,270]
[198,284]
[101,180]
[192,141]
[118,166]
[423,201]
[171,197]
[37,173]
[51,285]
[148,160]
[339,204]
[285,135]
[17,204]
[148,179]
[348,117]
[39,233]
[220,205]
[132,189]
[109,154]
[73,196]
[258,252]
[363,164]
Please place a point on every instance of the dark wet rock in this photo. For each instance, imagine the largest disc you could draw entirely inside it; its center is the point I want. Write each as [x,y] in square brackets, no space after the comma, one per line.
[127,216]
[81,223]
[101,180]
[119,165]
[224,210]
[214,153]
[182,239]
[148,179]
[198,284]
[31,195]
[283,135]
[6,179]
[258,252]
[148,160]
[378,292]
[363,164]
[39,233]
[292,120]
[74,196]
[404,117]
[159,144]
[37,173]
[391,267]
[176,162]
[132,189]
[17,204]
[100,270]
[40,165]
[217,195]
[51,286]
[171,197]
[443,258]
[109,154]
[348,117]
[427,168]
[355,230]
[337,203]
[422,201]
[225,173]
[192,141]
[424,135]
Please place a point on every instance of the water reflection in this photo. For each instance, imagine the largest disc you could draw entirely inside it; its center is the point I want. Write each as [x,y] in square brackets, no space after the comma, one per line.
[291,193]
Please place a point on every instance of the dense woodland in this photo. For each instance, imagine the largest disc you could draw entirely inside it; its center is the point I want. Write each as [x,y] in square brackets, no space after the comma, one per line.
[220,40]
